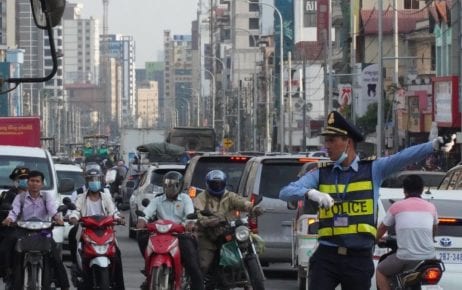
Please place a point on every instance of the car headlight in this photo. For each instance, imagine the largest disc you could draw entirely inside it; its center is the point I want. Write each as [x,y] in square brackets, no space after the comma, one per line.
[163,228]
[242,233]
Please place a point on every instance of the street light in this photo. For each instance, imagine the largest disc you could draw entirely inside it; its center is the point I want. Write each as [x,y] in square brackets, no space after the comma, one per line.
[281,71]
[213,96]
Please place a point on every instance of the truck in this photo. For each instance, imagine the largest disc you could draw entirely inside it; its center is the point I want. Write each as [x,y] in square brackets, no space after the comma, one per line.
[193,138]
[20,131]
[130,139]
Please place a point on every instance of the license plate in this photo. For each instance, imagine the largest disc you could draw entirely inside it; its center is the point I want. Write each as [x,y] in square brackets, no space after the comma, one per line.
[431,287]
[449,257]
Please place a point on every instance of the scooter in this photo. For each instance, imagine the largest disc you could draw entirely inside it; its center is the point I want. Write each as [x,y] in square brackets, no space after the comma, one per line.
[163,267]
[425,275]
[35,247]
[96,258]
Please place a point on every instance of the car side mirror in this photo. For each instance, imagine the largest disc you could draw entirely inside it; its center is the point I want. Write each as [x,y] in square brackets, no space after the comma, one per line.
[292,204]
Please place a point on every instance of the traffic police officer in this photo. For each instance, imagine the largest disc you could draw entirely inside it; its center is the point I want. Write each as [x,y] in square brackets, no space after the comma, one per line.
[346,190]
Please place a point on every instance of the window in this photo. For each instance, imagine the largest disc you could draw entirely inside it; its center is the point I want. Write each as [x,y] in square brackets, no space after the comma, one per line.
[254,6]
[253,40]
[411,4]
[309,16]
[254,23]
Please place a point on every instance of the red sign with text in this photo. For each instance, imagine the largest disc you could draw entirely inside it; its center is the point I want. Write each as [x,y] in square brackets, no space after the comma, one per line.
[20,131]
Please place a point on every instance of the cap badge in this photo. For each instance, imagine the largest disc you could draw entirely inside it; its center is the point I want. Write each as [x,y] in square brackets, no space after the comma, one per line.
[331,119]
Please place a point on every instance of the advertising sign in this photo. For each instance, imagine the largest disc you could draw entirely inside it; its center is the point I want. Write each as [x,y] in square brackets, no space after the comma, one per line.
[369,79]
[446,101]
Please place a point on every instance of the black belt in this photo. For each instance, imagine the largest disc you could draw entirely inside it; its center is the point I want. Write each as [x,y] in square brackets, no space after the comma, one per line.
[345,251]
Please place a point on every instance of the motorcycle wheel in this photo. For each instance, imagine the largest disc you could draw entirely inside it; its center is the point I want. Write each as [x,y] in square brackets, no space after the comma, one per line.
[101,276]
[31,277]
[255,274]
[160,279]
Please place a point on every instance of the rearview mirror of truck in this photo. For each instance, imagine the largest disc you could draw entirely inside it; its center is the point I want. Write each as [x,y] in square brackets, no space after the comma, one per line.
[42,9]
[47,14]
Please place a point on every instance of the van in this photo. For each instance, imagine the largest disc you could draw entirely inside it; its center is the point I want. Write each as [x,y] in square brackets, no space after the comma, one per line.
[262,179]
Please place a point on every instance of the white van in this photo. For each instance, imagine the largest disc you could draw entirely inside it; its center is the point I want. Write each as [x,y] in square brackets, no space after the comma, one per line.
[34,159]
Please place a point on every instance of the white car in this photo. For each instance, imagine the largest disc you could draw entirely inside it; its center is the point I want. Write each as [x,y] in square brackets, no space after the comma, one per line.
[149,186]
[448,240]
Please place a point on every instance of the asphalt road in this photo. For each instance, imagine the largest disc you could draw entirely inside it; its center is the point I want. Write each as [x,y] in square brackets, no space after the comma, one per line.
[279,276]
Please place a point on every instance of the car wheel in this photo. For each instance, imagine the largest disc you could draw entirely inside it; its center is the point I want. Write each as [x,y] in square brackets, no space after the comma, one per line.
[131,232]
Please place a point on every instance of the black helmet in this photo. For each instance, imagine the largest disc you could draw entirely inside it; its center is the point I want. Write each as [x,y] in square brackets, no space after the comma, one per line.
[215,182]
[172,183]
[93,174]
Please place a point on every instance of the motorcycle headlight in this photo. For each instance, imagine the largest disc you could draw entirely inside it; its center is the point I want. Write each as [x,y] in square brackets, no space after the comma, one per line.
[100,249]
[242,233]
[163,228]
[34,225]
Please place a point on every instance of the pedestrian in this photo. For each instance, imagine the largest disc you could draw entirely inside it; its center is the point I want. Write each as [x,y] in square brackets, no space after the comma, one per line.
[347,191]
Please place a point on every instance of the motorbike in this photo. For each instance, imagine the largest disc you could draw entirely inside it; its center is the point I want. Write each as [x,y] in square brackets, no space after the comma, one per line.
[425,275]
[96,254]
[35,247]
[163,267]
[237,264]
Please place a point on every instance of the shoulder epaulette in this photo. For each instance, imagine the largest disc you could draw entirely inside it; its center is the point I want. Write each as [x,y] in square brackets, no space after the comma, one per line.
[370,158]
[322,164]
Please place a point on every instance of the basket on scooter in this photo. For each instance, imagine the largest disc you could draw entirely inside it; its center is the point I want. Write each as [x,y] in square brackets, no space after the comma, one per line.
[35,242]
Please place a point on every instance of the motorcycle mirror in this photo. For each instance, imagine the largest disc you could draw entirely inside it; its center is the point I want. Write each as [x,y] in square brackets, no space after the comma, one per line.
[145,202]
[41,9]
[191,216]
[206,212]
[140,213]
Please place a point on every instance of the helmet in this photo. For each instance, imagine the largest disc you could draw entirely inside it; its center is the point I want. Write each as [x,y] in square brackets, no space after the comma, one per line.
[93,177]
[172,183]
[93,174]
[215,182]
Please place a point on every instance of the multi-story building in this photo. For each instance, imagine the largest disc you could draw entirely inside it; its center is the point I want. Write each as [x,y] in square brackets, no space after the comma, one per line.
[179,93]
[81,47]
[147,105]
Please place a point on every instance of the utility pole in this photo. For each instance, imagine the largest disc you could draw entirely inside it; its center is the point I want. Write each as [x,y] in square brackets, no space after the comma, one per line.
[379,128]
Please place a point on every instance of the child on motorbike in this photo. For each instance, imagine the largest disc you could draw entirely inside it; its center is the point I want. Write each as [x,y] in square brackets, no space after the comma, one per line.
[175,206]
[414,220]
[93,202]
[222,204]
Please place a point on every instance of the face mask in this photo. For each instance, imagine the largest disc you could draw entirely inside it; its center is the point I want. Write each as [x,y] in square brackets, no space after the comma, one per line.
[94,185]
[342,157]
[22,183]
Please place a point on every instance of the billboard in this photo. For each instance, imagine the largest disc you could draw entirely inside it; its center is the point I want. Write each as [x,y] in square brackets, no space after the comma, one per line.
[369,91]
[446,101]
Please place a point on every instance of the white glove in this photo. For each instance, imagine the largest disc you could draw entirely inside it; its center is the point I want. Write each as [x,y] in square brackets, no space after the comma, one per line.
[323,199]
[444,144]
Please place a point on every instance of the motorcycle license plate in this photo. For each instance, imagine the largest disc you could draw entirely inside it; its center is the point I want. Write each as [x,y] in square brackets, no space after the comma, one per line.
[431,287]
[449,256]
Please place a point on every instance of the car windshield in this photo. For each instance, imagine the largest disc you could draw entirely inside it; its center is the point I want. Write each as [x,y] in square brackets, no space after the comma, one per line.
[9,163]
[275,176]
[232,168]
[444,208]
[76,176]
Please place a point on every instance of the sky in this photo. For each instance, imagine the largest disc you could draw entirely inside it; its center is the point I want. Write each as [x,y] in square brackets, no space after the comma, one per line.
[145,20]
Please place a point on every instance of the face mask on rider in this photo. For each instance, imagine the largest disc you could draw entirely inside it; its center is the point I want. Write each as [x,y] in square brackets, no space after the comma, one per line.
[94,185]
[22,183]
[343,156]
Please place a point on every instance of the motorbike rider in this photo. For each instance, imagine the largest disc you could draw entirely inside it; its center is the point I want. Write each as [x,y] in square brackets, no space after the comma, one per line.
[19,176]
[175,206]
[95,201]
[414,220]
[33,203]
[222,203]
